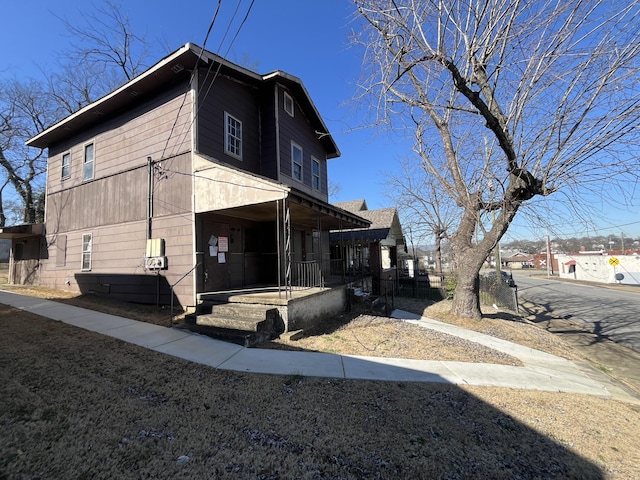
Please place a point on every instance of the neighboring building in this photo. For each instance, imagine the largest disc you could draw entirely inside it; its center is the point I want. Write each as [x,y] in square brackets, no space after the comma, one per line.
[196,176]
[518,261]
[5,249]
[600,267]
[370,250]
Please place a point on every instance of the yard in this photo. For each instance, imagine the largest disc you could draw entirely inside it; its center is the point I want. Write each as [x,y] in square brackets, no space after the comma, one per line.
[80,405]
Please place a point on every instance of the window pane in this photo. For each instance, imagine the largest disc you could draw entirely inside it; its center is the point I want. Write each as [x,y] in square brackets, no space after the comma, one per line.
[233,143]
[87,167]
[66,165]
[86,252]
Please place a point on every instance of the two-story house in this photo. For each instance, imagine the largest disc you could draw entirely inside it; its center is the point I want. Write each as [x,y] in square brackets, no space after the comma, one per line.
[197,176]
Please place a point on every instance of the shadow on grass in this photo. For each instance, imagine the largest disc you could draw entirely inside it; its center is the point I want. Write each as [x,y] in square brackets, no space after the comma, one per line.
[79,404]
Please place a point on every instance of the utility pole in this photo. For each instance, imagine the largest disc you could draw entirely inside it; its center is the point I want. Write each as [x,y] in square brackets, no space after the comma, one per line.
[549,267]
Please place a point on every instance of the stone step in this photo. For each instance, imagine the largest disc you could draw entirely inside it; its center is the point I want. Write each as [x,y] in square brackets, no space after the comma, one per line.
[244,310]
[235,323]
[239,337]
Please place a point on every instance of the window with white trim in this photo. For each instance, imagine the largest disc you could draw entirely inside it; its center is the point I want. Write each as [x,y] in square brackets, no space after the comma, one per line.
[87,240]
[296,161]
[88,162]
[233,136]
[66,166]
[288,104]
[315,181]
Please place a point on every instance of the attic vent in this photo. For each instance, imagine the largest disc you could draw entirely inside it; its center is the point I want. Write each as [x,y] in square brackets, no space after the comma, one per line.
[177,68]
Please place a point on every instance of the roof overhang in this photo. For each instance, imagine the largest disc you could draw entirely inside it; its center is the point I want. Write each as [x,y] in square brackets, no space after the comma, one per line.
[22,231]
[178,67]
[217,190]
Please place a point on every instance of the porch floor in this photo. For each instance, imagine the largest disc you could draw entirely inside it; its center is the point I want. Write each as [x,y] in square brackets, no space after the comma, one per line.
[260,294]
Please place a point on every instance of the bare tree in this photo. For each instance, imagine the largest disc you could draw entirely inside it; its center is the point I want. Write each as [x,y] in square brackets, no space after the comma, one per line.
[105,53]
[426,212]
[24,111]
[522,98]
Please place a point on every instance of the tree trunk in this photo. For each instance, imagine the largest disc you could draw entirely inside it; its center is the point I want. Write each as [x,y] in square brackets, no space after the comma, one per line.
[466,299]
[438,253]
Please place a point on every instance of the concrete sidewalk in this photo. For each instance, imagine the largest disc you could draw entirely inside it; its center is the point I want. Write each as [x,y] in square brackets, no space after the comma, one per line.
[541,371]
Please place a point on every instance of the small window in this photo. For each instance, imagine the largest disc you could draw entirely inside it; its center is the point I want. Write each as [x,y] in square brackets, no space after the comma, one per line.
[87,166]
[233,140]
[296,161]
[315,164]
[66,166]
[288,104]
[86,251]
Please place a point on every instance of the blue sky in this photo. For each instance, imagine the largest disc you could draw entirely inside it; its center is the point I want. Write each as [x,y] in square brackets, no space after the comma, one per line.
[306,38]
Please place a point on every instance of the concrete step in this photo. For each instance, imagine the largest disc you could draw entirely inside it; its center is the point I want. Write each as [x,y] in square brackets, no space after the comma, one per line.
[235,322]
[239,337]
[244,310]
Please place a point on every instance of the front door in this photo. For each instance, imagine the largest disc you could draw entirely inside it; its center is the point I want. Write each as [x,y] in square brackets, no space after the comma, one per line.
[217,273]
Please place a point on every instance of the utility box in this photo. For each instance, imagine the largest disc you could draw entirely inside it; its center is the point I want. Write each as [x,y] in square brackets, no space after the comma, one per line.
[155,247]
[154,256]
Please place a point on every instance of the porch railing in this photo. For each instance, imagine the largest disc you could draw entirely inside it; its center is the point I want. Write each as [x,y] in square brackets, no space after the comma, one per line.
[306,274]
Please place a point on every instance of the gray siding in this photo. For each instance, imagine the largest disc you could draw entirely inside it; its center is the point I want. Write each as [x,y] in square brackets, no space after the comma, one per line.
[125,142]
[114,211]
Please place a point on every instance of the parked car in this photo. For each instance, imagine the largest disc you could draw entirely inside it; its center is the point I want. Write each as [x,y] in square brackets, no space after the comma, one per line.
[506,277]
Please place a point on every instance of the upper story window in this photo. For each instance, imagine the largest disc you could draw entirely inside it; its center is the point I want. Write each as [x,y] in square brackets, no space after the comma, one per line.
[288,104]
[233,136]
[315,165]
[66,166]
[87,164]
[296,161]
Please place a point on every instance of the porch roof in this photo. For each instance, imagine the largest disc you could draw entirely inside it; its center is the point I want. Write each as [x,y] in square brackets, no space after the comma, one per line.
[22,231]
[305,210]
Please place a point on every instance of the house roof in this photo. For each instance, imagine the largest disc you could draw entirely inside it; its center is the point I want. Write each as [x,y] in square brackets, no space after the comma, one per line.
[178,67]
[355,206]
[384,222]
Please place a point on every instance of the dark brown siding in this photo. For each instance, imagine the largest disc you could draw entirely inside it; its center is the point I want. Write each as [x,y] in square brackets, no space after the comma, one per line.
[300,131]
[268,134]
[242,102]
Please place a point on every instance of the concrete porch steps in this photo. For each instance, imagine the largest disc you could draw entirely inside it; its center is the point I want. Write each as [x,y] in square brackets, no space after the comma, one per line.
[241,323]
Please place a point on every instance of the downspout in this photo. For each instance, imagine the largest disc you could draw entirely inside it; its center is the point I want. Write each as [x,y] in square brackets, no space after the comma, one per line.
[149,195]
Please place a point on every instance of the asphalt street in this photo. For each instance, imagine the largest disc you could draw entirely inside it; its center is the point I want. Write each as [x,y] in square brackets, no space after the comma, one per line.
[608,313]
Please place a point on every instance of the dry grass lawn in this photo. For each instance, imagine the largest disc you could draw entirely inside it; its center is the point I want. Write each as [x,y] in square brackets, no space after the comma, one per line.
[76,404]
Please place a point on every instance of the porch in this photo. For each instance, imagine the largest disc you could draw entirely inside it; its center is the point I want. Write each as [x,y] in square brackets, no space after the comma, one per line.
[254,314]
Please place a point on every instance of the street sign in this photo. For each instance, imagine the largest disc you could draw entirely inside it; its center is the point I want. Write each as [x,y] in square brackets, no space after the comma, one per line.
[614,262]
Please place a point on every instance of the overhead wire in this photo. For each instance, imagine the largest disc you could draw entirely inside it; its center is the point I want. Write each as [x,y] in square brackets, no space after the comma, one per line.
[201,101]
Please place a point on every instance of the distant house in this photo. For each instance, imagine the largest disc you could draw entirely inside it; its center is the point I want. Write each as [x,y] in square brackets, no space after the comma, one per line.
[197,176]
[518,261]
[373,249]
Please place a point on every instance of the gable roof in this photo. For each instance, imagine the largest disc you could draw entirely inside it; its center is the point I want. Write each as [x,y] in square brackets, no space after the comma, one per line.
[354,206]
[384,222]
[175,67]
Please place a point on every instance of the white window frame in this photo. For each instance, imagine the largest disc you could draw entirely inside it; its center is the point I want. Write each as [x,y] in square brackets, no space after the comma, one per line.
[315,176]
[232,139]
[66,166]
[294,147]
[86,164]
[87,247]
[289,106]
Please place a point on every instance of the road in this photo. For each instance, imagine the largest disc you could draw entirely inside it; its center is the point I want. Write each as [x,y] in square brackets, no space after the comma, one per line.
[608,313]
